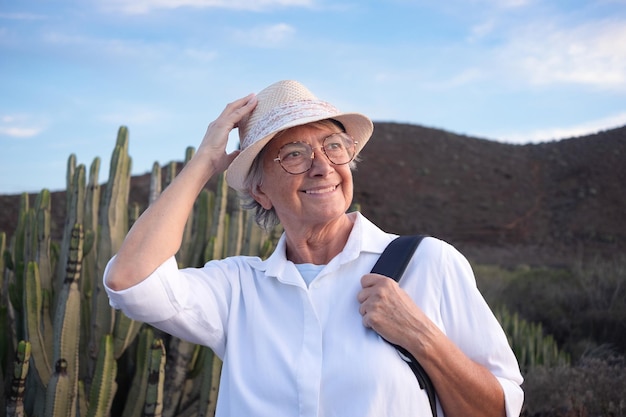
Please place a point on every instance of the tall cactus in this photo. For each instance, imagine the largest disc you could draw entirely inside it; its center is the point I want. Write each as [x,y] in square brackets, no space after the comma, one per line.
[139,384]
[15,403]
[43,207]
[41,352]
[62,391]
[88,283]
[103,386]
[74,214]
[156,376]
[113,226]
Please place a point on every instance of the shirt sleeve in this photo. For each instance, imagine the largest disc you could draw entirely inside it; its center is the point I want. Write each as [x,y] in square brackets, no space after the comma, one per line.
[191,303]
[444,286]
[471,324]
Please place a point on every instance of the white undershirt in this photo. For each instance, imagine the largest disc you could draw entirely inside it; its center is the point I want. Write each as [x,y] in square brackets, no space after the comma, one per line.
[309,271]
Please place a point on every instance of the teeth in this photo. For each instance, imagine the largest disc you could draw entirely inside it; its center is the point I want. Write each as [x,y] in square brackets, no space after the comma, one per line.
[321,191]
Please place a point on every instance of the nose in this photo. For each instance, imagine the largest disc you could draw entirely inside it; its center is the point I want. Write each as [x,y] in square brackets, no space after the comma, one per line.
[320,164]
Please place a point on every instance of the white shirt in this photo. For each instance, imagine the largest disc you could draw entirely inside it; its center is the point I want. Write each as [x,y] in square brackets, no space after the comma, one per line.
[292,350]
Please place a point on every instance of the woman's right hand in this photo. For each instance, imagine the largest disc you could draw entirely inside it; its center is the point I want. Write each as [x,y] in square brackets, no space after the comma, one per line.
[158,232]
[213,146]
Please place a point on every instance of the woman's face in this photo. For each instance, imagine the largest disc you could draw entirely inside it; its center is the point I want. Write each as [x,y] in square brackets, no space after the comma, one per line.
[316,197]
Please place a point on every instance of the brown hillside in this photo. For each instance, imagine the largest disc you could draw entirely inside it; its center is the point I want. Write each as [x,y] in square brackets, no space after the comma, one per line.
[550,203]
[500,203]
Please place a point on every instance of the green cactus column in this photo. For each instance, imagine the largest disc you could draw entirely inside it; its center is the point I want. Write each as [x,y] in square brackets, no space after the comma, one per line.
[62,391]
[88,282]
[113,226]
[156,378]
[74,214]
[103,386]
[15,403]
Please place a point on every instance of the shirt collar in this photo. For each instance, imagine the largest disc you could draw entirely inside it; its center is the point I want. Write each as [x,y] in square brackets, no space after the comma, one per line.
[364,237]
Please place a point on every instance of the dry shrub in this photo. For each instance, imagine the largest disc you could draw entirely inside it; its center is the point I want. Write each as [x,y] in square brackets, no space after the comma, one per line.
[595,387]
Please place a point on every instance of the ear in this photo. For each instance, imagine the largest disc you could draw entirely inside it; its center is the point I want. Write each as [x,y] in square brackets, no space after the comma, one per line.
[261,198]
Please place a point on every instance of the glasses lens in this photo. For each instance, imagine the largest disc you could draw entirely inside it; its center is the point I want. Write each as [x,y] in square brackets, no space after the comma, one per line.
[339,148]
[295,157]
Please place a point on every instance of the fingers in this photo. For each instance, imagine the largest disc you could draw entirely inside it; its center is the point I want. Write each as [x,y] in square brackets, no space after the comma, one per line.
[377,300]
[235,111]
[370,296]
[213,146]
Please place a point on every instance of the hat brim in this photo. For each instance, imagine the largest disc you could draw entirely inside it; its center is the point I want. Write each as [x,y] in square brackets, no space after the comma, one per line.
[357,125]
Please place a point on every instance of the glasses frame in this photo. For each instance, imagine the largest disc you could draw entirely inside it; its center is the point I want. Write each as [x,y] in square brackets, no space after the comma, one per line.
[354,144]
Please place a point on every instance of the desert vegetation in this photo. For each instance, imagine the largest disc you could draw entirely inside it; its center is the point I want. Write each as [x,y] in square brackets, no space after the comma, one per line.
[568,331]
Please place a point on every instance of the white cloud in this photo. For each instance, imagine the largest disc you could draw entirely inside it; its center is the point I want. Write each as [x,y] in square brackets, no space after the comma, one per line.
[146,6]
[19,132]
[592,54]
[265,36]
[18,126]
[555,133]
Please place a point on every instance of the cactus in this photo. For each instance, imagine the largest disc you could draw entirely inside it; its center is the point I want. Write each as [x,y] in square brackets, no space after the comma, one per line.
[139,384]
[88,282]
[529,343]
[62,390]
[15,403]
[154,394]
[43,207]
[113,226]
[181,354]
[41,352]
[215,248]
[155,183]
[74,214]
[103,386]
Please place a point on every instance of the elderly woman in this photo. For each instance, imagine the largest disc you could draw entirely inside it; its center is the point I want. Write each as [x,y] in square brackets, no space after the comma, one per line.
[300,332]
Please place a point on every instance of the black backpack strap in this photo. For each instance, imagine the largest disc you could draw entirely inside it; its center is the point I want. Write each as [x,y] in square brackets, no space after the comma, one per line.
[392,264]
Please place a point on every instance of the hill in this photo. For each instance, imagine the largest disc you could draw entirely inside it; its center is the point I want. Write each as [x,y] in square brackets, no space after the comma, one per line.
[546,203]
[550,203]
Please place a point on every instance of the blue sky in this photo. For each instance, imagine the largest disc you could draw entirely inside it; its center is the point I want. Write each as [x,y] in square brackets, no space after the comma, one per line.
[517,71]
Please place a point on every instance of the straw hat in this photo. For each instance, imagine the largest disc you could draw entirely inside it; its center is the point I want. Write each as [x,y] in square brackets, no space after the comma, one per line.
[280,106]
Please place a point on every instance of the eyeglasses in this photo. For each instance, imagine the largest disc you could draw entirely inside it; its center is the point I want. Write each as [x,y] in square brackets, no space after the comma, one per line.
[297,157]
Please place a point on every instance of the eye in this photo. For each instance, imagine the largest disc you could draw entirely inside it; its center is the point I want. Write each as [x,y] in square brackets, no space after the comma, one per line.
[291,155]
[293,151]
[334,146]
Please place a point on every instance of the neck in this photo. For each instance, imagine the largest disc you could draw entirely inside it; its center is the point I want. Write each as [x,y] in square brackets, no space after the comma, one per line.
[318,245]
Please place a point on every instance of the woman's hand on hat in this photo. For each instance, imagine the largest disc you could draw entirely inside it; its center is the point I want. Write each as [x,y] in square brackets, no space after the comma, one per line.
[213,145]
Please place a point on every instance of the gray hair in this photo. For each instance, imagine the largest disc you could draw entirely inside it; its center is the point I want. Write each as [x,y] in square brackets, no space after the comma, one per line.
[268,219]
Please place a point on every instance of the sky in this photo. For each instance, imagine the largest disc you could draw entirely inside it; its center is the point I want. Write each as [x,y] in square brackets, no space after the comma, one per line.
[516,71]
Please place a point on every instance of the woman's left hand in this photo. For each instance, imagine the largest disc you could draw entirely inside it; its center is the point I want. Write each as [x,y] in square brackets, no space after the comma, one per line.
[388,309]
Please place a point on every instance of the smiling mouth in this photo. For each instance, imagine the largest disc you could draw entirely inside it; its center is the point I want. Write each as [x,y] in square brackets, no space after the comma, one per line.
[322,190]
